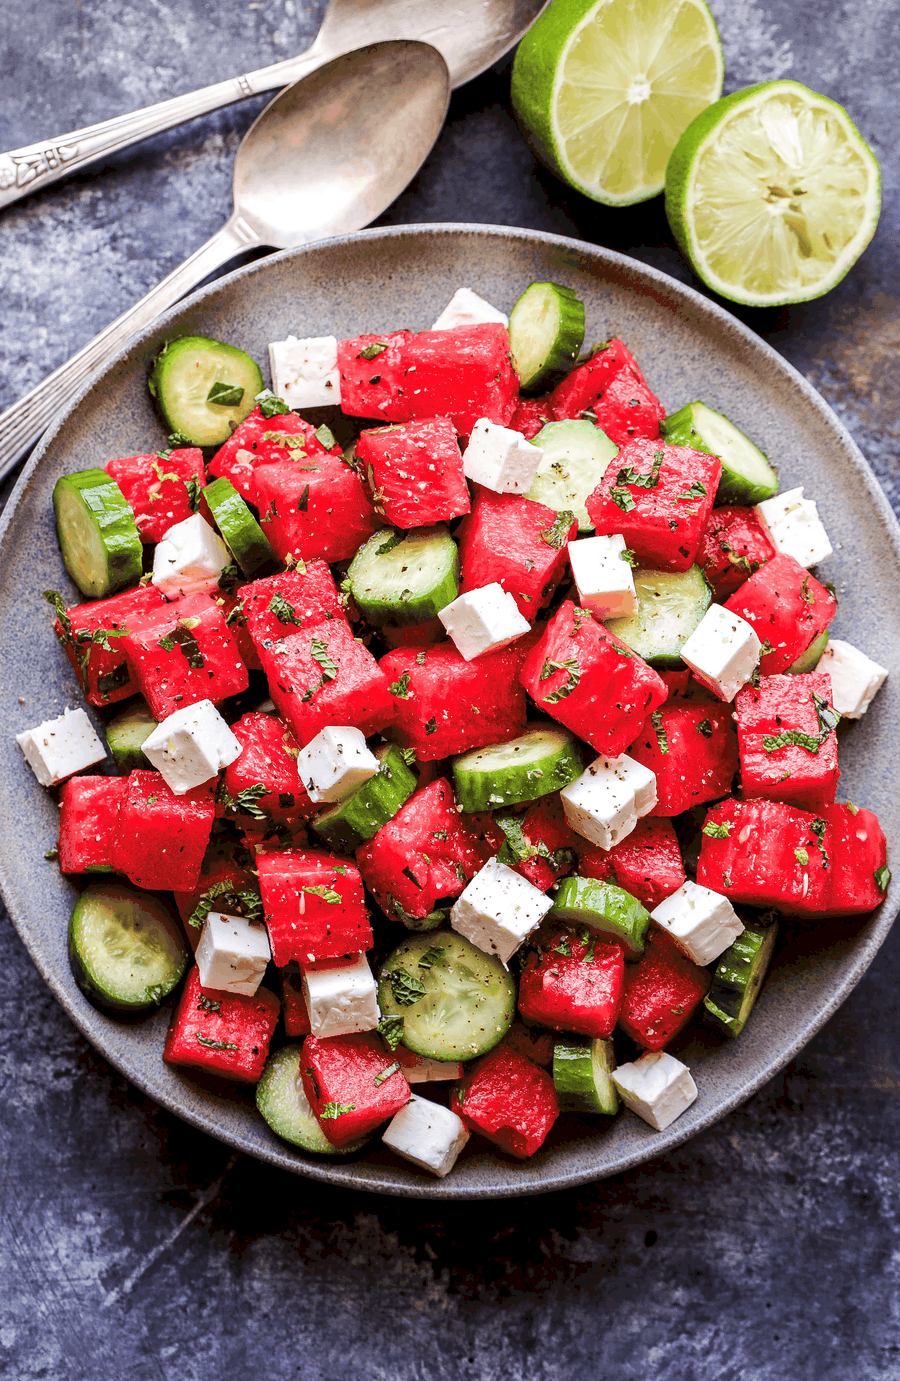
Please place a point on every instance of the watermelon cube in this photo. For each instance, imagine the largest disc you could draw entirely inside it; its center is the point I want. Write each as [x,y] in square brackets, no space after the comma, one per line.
[313,904]
[573,982]
[788,745]
[629,410]
[181,653]
[324,676]
[293,1003]
[662,991]
[581,390]
[261,440]
[647,863]
[156,488]
[515,543]
[222,1033]
[161,838]
[282,604]
[767,853]
[414,472]
[352,1083]
[858,877]
[734,545]
[310,512]
[509,1099]
[269,759]
[693,751]
[546,834]
[224,873]
[585,677]
[787,609]
[88,819]
[91,635]
[659,497]
[530,417]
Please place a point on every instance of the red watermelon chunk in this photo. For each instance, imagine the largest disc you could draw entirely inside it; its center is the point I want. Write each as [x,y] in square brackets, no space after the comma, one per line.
[733,546]
[156,488]
[786,607]
[269,759]
[225,864]
[98,658]
[573,982]
[660,498]
[509,1099]
[788,751]
[324,676]
[293,1003]
[183,652]
[858,877]
[545,829]
[693,751]
[222,1033]
[766,853]
[662,991]
[629,410]
[282,604]
[263,440]
[583,388]
[513,541]
[88,819]
[314,905]
[647,863]
[353,1084]
[309,513]
[530,417]
[161,838]
[414,472]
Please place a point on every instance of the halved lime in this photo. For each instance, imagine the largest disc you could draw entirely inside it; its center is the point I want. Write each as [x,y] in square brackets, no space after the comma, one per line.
[603,90]
[773,194]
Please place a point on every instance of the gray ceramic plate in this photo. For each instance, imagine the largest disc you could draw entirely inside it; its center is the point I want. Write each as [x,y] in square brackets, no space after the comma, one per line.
[688,348]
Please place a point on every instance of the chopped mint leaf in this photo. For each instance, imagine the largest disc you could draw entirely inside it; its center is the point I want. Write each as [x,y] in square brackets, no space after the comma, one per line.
[284,611]
[269,405]
[802,856]
[405,988]
[714,831]
[431,956]
[392,539]
[215,1045]
[400,688]
[325,437]
[558,533]
[225,395]
[793,738]
[697,490]
[622,499]
[391,1029]
[409,756]
[303,501]
[431,726]
[659,729]
[571,666]
[408,873]
[705,728]
[327,894]
[385,1074]
[243,901]
[371,352]
[208,1004]
[319,650]
[882,877]
[332,1110]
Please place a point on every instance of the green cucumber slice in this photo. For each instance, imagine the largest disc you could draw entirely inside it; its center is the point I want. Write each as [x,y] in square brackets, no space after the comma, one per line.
[240,531]
[405,578]
[576,457]
[738,978]
[98,537]
[359,818]
[282,1102]
[747,476]
[603,907]
[546,332]
[126,733]
[545,758]
[188,375]
[456,1002]
[582,1071]
[670,605]
[126,949]
[809,660]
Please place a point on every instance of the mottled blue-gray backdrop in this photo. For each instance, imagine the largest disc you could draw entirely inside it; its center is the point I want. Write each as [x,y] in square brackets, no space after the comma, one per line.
[131,1244]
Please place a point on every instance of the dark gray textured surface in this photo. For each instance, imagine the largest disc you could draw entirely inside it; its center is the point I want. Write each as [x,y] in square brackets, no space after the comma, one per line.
[765,1248]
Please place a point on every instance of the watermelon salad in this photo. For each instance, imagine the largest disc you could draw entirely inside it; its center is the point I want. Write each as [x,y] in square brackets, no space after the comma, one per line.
[471,728]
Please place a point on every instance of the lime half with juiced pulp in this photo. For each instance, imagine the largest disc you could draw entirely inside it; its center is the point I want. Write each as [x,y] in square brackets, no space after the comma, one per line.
[773,194]
[603,89]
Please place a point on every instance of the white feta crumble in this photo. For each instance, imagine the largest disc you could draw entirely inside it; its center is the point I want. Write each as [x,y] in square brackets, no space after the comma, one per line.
[605,803]
[59,748]
[232,954]
[501,459]
[418,1069]
[657,1087]
[498,910]
[305,372]
[466,308]
[722,652]
[191,746]
[701,922]
[855,678]
[427,1134]
[335,763]
[341,998]
[603,577]
[483,621]
[189,559]
[794,527]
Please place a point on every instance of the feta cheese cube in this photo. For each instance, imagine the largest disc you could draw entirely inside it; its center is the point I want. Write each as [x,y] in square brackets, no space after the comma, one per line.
[305,372]
[500,458]
[794,527]
[498,910]
[60,747]
[483,620]
[701,922]
[427,1134]
[604,579]
[341,998]
[189,559]
[466,308]
[335,763]
[855,678]
[232,954]
[605,803]
[657,1087]
[722,652]
[191,746]
[417,1069]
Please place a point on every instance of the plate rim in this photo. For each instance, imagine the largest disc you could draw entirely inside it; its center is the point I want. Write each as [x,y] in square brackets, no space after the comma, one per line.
[353,1175]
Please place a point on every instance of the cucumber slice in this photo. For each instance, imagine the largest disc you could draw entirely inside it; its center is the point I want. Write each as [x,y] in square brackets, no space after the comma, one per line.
[352,822]
[738,978]
[281,1100]
[126,950]
[546,332]
[543,759]
[809,660]
[240,531]
[575,459]
[603,907]
[582,1071]
[747,476]
[455,1001]
[98,537]
[405,578]
[126,733]
[187,377]
[670,605]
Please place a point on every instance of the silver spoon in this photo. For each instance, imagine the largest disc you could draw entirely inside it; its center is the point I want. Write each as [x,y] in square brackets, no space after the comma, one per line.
[327,156]
[469,34]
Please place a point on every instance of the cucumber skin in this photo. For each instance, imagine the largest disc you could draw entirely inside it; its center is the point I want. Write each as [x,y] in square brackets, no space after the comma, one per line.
[157,382]
[572,1100]
[657,656]
[255,558]
[267,1097]
[127,754]
[344,828]
[96,995]
[724,1003]
[567,341]
[124,549]
[589,896]
[567,768]
[678,430]
[379,612]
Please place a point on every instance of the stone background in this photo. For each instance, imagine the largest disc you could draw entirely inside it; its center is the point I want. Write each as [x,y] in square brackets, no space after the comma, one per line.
[132,1245]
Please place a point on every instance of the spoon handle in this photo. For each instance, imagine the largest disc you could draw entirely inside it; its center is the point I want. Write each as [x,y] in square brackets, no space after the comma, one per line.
[23,423]
[30,169]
